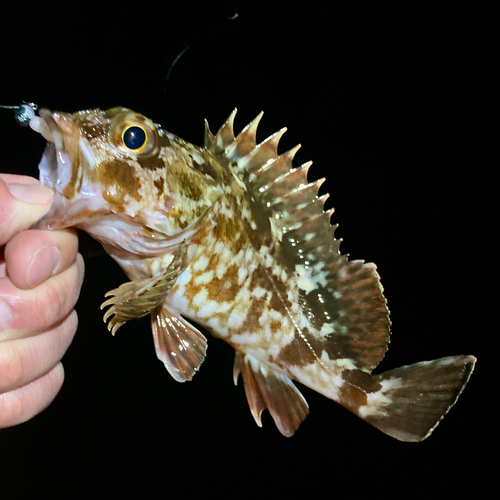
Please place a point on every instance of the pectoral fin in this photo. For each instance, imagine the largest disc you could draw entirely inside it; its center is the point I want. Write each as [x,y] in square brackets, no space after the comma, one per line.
[266,388]
[138,298]
[179,345]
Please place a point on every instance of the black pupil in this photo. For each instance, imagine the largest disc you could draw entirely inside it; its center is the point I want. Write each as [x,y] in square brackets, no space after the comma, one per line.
[134,137]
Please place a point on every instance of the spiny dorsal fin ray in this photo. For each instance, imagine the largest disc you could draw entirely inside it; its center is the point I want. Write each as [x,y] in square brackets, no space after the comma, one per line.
[348,294]
[285,184]
[261,154]
[273,169]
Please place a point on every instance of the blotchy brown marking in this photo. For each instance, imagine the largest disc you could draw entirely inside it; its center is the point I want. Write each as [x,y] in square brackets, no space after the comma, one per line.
[207,169]
[187,182]
[122,178]
[298,352]
[353,393]
[259,305]
[226,229]
[160,185]
[225,289]
[362,379]
[164,141]
[92,131]
[151,162]
[352,397]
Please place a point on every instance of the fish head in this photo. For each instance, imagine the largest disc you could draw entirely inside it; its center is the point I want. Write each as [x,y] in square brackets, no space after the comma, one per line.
[123,179]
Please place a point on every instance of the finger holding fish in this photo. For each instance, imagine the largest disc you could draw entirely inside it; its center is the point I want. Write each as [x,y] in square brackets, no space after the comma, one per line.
[33,311]
[36,328]
[24,360]
[40,279]
[33,256]
[21,204]
[24,403]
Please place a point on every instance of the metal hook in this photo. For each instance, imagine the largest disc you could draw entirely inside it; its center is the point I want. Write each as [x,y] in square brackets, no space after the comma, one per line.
[23,113]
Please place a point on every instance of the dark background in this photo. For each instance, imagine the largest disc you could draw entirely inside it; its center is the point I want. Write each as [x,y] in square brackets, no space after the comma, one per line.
[396,107]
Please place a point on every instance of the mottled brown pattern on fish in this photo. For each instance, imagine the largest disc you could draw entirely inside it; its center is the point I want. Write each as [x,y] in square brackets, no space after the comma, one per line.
[234,238]
[358,384]
[93,131]
[207,169]
[164,141]
[361,379]
[160,185]
[120,180]
[352,396]
[185,181]
[299,352]
[151,163]
[269,301]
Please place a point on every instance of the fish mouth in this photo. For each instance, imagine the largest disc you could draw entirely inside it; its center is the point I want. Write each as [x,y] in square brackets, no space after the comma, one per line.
[56,166]
[59,165]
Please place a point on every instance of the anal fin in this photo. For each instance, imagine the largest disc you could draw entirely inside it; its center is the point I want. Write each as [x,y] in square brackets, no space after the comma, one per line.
[179,345]
[266,388]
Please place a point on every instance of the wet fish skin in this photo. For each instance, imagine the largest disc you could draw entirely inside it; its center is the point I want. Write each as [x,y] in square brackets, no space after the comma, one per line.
[231,236]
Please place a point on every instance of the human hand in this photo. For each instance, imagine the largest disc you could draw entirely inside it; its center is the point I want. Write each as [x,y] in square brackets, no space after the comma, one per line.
[40,278]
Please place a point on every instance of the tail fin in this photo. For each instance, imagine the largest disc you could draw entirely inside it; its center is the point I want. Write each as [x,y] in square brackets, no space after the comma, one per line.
[411,401]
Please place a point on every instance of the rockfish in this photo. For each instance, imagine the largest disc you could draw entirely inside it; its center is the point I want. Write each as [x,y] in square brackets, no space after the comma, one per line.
[232,237]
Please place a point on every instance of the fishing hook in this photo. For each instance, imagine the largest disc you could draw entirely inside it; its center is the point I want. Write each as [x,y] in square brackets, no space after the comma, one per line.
[23,113]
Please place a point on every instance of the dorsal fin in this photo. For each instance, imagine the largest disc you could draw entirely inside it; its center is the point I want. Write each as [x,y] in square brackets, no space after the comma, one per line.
[344,296]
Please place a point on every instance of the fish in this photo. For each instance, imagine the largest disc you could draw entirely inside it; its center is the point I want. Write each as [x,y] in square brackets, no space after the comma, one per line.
[233,237]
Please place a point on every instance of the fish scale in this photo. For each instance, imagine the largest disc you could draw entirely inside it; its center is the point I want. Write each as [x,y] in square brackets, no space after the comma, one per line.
[235,238]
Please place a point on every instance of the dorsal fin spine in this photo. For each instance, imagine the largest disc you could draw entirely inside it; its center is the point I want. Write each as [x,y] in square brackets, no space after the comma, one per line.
[295,208]
[209,141]
[265,151]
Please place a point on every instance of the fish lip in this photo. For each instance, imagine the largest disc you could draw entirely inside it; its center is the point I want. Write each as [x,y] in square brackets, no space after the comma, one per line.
[56,171]
[56,165]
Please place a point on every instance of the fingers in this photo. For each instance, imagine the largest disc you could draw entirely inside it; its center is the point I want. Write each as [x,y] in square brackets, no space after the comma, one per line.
[21,205]
[28,312]
[40,279]
[25,402]
[33,256]
[24,360]
[18,179]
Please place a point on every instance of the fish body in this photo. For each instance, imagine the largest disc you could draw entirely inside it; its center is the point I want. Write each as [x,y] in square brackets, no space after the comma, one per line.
[233,237]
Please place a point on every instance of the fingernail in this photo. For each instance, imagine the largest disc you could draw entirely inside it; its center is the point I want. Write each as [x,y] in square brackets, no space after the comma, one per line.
[5,317]
[31,193]
[43,265]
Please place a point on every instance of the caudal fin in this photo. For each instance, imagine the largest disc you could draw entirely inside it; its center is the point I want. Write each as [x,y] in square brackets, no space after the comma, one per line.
[409,402]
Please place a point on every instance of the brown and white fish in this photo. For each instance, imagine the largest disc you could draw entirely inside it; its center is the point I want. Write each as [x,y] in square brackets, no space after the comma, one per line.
[229,235]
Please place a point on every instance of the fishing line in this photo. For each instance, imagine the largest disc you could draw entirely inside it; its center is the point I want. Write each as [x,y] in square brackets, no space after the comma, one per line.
[194,41]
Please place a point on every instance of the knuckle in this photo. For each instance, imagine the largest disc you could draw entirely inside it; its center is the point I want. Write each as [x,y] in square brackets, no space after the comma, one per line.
[12,365]
[12,409]
[24,403]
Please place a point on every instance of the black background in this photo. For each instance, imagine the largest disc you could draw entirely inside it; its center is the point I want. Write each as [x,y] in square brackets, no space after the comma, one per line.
[396,107]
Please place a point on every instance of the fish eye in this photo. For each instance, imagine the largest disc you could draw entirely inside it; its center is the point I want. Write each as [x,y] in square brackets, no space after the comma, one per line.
[134,138]
[133,134]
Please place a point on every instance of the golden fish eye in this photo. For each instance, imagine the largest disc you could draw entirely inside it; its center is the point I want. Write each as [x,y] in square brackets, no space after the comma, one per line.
[135,138]
[133,134]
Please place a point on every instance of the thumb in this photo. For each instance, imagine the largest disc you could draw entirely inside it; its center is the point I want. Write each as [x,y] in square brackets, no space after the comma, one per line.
[21,205]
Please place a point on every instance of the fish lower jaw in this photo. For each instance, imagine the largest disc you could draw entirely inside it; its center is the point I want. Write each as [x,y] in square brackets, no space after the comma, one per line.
[55,168]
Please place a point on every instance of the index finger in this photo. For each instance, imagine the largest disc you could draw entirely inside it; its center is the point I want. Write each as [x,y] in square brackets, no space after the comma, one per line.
[21,205]
[18,179]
